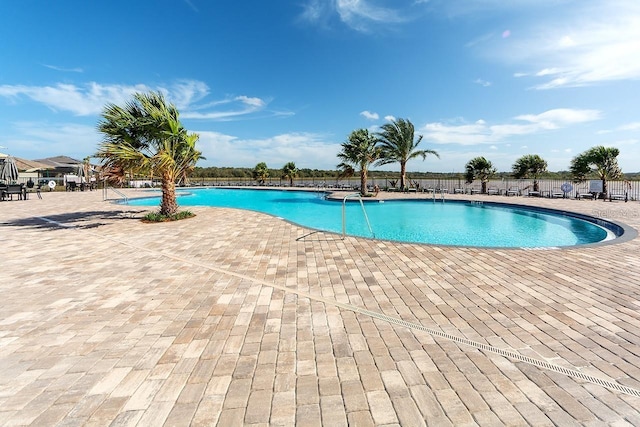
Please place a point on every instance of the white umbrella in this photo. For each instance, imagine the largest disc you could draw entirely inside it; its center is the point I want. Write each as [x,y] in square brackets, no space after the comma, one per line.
[9,171]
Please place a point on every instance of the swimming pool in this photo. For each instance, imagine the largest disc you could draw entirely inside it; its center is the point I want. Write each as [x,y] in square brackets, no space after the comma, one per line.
[459,223]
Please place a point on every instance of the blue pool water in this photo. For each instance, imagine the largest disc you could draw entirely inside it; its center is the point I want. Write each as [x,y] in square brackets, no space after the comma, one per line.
[449,223]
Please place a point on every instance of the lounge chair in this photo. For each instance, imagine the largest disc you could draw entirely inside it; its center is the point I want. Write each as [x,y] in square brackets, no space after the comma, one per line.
[493,191]
[557,193]
[586,195]
[618,196]
[513,191]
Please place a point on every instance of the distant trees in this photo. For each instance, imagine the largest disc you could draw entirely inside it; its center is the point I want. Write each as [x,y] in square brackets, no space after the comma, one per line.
[360,150]
[260,173]
[398,144]
[601,160]
[530,166]
[289,171]
[146,136]
[479,168]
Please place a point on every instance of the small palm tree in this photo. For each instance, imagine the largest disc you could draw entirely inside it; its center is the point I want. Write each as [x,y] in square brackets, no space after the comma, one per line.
[601,160]
[146,136]
[398,143]
[260,173]
[359,150]
[290,171]
[530,166]
[479,168]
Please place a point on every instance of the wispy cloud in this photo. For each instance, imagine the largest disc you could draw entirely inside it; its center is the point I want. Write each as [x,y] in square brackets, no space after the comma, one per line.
[46,139]
[482,133]
[234,107]
[633,126]
[482,83]
[360,15]
[89,99]
[369,115]
[630,126]
[191,5]
[64,69]
[304,149]
[587,43]
[80,100]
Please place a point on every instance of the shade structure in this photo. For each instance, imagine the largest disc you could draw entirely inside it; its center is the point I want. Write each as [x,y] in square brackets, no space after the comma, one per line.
[8,170]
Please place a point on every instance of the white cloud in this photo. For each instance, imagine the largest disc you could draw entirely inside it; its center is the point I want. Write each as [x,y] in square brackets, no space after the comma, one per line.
[81,101]
[369,116]
[586,43]
[64,69]
[630,126]
[482,83]
[361,15]
[389,118]
[90,98]
[482,133]
[306,150]
[37,140]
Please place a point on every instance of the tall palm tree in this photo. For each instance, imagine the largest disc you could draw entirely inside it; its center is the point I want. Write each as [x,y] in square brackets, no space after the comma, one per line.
[601,160]
[260,173]
[530,166]
[359,150]
[479,168]
[290,171]
[146,136]
[398,144]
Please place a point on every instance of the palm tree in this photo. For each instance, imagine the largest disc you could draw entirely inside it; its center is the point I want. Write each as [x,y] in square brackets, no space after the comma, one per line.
[146,136]
[290,171]
[260,172]
[530,166]
[601,160]
[359,150]
[479,168]
[398,143]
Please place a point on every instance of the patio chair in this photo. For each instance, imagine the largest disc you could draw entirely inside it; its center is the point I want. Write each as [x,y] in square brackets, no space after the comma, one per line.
[557,193]
[16,189]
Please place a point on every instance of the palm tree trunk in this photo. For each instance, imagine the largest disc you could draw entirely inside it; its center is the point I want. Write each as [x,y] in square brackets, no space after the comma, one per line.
[403,171]
[604,188]
[363,182]
[169,205]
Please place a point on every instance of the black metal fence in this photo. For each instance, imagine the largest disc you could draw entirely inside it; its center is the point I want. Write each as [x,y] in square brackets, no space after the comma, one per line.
[506,186]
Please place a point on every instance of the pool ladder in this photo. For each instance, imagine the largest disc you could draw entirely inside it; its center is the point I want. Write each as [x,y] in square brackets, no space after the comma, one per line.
[105,196]
[344,214]
[441,195]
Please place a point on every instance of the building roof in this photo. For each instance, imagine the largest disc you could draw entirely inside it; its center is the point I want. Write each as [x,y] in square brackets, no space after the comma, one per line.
[30,165]
[60,162]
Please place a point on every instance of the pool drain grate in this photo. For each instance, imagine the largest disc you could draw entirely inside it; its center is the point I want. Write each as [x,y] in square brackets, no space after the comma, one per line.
[611,385]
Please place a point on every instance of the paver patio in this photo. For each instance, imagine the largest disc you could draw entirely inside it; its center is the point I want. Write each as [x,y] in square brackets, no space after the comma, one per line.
[238,318]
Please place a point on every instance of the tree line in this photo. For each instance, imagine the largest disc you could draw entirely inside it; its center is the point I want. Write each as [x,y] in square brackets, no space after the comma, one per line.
[145,136]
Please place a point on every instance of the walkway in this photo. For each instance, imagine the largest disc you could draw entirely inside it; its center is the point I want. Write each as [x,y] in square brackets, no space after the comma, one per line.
[237,318]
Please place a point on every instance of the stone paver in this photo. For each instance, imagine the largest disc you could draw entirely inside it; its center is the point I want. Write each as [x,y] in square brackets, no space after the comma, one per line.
[239,318]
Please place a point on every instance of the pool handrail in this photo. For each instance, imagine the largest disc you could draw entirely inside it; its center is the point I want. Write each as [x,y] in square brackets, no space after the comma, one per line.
[121,194]
[344,214]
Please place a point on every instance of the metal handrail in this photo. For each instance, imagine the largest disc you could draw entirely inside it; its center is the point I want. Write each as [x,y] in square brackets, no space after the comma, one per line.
[121,194]
[344,214]
[441,195]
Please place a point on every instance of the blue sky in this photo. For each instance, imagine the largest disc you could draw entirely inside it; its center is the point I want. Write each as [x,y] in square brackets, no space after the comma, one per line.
[279,81]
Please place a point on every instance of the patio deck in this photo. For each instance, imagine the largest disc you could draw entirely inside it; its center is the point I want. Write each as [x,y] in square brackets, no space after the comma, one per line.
[238,318]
